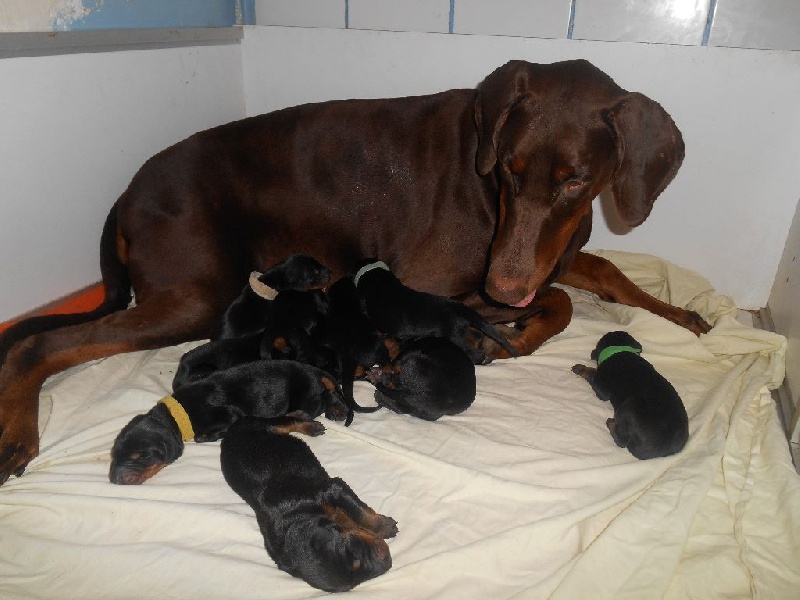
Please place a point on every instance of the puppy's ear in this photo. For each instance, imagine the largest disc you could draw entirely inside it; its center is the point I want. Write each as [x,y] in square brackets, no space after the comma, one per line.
[650,151]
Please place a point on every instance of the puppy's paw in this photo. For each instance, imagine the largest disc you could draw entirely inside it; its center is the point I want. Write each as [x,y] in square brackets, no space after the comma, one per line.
[583,371]
[385,527]
[312,428]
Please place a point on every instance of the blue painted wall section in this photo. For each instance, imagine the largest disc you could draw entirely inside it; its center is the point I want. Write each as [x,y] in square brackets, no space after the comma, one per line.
[163,14]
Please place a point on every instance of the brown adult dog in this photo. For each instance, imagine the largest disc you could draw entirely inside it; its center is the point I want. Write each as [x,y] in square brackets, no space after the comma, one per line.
[483,194]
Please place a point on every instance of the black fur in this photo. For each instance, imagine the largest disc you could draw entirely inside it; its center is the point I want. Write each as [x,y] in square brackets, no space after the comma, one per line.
[649,417]
[430,378]
[216,355]
[408,314]
[261,388]
[314,526]
[249,312]
[350,336]
[288,332]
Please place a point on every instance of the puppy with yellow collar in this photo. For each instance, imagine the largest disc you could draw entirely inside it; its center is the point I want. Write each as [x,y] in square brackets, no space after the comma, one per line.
[292,394]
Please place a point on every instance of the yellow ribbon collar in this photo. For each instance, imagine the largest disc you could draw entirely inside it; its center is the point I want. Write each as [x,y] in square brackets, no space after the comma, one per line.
[181,418]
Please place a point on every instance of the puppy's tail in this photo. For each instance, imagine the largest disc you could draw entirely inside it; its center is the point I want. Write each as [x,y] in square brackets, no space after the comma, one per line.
[117,294]
[482,325]
[348,377]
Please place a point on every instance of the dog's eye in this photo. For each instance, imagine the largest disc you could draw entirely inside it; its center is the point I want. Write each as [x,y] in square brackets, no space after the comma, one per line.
[572,186]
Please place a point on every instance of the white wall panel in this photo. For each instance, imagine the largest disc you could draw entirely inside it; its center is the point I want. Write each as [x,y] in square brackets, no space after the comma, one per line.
[784,304]
[727,213]
[400,15]
[75,128]
[757,24]
[658,21]
[544,18]
[301,13]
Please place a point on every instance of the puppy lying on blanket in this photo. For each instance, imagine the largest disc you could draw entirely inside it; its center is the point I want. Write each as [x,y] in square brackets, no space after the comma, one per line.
[649,417]
[430,377]
[408,314]
[203,411]
[216,355]
[314,526]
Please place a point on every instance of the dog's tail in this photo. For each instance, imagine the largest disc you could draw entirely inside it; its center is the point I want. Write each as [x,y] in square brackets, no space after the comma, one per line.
[117,294]
[482,325]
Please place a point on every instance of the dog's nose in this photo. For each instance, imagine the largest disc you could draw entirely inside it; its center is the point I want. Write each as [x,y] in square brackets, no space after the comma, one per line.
[509,291]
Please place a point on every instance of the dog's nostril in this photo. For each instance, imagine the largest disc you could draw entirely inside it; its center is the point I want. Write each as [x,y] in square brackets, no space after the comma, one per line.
[506,289]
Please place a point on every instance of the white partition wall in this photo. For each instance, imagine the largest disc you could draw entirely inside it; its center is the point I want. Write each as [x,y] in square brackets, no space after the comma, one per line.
[75,128]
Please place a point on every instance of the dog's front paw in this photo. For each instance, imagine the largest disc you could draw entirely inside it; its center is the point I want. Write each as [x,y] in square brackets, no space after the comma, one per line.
[691,321]
[19,444]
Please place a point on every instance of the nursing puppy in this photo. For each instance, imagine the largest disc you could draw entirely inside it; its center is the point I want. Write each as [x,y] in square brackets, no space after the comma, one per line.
[649,417]
[314,526]
[407,314]
[250,311]
[349,336]
[203,410]
[294,316]
[431,377]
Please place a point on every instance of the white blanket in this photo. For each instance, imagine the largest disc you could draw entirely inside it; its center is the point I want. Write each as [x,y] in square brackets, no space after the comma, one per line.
[525,495]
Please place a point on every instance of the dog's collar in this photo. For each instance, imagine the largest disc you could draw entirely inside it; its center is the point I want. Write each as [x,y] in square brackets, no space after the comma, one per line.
[610,351]
[366,268]
[181,418]
[261,288]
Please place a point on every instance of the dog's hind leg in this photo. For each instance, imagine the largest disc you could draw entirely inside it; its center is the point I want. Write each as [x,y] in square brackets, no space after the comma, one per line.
[167,317]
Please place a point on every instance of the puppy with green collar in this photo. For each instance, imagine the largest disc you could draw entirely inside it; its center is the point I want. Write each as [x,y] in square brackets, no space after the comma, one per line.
[649,417]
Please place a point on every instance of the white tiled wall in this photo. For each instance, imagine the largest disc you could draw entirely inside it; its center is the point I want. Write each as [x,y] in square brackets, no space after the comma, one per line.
[768,24]
[773,24]
[301,13]
[541,19]
[400,15]
[658,21]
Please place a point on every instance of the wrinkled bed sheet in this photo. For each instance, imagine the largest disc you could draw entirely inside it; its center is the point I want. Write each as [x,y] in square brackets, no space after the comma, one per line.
[524,495]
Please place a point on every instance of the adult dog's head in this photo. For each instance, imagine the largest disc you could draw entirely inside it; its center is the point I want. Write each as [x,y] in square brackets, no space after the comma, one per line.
[557,135]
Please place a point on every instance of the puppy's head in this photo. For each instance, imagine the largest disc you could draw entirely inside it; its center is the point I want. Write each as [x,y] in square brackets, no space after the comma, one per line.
[615,338]
[298,272]
[147,444]
[335,559]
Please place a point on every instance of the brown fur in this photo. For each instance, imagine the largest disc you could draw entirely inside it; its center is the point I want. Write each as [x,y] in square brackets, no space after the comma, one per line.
[456,191]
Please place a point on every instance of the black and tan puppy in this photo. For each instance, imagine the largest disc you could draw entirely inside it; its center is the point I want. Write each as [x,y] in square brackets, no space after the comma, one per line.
[204,410]
[649,417]
[294,315]
[407,314]
[314,526]
[216,355]
[250,311]
[349,336]
[431,377]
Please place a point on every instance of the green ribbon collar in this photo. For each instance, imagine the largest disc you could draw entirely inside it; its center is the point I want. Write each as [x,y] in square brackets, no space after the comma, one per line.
[610,351]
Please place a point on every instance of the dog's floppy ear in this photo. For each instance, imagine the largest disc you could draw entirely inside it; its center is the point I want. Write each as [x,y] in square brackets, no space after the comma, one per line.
[497,95]
[649,152]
